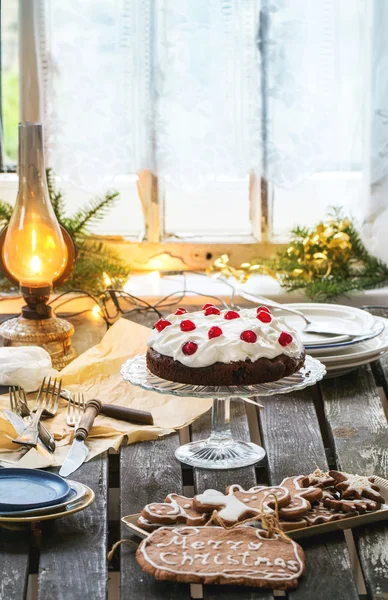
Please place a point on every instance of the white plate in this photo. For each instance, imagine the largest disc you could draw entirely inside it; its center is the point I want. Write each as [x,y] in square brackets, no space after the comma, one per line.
[361,351]
[378,329]
[353,318]
[351,365]
[336,349]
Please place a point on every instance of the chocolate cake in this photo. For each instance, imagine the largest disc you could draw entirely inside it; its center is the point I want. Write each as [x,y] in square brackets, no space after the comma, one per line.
[218,348]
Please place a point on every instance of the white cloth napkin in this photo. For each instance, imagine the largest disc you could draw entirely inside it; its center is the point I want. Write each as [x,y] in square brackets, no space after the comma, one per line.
[25,366]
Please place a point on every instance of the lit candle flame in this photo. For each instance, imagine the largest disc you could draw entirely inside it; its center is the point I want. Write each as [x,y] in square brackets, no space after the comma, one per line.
[36,265]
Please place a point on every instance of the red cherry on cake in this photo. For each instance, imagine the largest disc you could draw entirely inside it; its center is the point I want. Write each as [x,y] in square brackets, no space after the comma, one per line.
[162,324]
[285,338]
[260,308]
[248,336]
[231,314]
[264,316]
[214,332]
[181,311]
[205,306]
[189,348]
[187,325]
[212,310]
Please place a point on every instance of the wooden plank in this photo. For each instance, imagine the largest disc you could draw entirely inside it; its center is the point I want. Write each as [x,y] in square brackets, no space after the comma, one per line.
[219,480]
[73,562]
[359,430]
[148,472]
[292,438]
[14,562]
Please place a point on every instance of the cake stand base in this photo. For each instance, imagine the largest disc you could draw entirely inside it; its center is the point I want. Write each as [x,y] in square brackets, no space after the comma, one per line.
[220,450]
[212,454]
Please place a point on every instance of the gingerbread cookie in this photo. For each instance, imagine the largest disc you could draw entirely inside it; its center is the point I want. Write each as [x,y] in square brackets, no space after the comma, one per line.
[175,509]
[330,493]
[324,514]
[321,479]
[147,525]
[355,506]
[356,486]
[239,504]
[302,494]
[208,555]
[292,525]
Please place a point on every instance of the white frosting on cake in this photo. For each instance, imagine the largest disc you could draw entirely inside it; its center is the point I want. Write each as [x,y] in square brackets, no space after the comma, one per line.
[228,347]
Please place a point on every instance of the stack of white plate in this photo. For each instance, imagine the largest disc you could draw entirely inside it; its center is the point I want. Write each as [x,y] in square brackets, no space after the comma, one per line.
[341,353]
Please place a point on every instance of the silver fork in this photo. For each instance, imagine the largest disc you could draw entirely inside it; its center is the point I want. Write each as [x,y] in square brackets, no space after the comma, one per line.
[46,401]
[75,409]
[19,405]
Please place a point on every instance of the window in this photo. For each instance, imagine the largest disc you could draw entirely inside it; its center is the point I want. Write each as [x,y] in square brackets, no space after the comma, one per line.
[221,124]
[9,82]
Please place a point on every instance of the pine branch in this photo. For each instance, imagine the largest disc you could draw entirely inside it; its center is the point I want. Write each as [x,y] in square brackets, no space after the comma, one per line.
[94,211]
[93,260]
[5,212]
[56,196]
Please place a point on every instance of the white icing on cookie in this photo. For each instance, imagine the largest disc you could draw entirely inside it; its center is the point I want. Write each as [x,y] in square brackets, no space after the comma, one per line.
[228,347]
[358,483]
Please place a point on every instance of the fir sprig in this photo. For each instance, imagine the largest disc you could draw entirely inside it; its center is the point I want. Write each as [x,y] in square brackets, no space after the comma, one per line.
[79,224]
[56,196]
[5,213]
[347,268]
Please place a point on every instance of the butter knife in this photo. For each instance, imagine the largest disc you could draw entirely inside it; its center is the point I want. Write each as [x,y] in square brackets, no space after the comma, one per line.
[78,451]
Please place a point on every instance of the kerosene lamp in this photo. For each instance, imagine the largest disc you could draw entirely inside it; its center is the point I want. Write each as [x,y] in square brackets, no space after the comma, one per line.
[36,253]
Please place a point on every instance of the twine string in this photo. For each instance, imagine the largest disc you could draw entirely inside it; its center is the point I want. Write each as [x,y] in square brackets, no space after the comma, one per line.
[117,544]
[269,520]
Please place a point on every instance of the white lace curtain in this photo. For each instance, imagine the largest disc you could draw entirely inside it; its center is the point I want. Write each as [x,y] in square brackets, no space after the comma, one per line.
[193,89]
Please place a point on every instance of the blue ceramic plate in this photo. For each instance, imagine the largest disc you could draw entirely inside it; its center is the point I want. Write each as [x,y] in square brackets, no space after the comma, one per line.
[24,489]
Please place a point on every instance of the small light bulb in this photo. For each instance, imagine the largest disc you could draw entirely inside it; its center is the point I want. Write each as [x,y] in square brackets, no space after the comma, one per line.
[96,311]
[107,279]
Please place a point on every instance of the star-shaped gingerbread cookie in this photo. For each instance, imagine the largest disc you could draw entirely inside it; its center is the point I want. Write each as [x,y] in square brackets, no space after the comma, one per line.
[239,504]
[356,486]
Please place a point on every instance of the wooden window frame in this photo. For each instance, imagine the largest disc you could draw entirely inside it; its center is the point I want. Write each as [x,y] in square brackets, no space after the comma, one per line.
[158,251]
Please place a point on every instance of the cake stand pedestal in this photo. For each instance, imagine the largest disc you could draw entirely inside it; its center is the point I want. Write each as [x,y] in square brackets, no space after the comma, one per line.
[221,450]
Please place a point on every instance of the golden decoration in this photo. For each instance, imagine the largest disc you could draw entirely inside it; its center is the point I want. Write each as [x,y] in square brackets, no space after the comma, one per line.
[242,273]
[317,253]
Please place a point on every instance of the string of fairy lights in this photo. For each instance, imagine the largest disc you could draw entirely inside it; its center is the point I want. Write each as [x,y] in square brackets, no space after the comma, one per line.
[113,303]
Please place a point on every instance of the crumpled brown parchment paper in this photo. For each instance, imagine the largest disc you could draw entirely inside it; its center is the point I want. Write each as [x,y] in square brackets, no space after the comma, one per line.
[97,374]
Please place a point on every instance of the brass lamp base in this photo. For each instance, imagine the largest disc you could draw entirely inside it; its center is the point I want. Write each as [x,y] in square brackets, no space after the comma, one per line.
[52,334]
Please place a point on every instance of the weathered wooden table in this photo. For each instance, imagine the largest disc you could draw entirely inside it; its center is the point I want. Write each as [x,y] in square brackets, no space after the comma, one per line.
[340,423]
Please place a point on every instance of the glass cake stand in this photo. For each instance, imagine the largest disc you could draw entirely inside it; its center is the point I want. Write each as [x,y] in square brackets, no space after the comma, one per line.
[221,450]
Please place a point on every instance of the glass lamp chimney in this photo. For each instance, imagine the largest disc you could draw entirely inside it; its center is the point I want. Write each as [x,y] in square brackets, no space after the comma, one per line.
[34,250]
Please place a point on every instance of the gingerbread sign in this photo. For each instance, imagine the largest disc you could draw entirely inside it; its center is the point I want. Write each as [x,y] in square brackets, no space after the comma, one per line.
[241,556]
